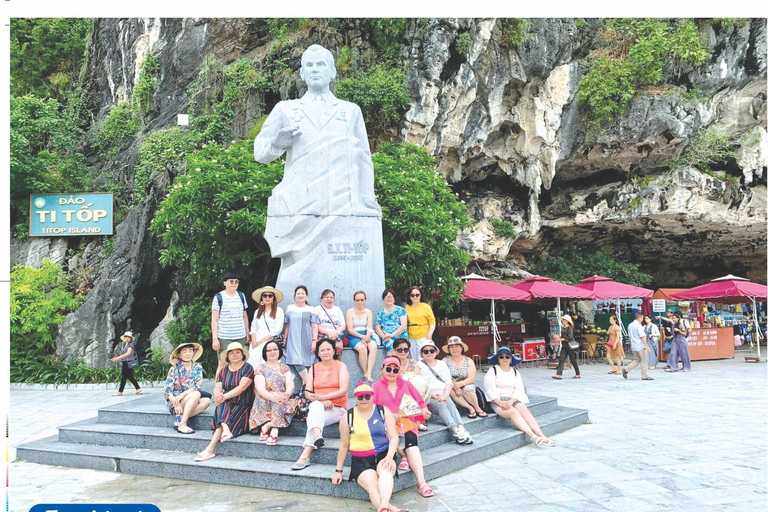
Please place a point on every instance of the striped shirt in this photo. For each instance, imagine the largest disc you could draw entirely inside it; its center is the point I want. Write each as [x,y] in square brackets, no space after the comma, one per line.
[231,323]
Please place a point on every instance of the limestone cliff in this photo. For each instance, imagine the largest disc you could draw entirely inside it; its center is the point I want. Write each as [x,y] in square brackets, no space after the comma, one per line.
[510,137]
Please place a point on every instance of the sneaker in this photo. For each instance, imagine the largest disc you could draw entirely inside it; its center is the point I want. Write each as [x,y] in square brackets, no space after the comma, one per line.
[463,436]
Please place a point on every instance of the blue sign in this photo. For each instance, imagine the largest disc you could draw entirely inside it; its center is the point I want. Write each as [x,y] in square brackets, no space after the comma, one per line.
[101,507]
[70,214]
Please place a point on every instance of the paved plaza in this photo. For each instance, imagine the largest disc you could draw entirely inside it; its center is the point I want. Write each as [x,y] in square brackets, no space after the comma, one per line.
[693,441]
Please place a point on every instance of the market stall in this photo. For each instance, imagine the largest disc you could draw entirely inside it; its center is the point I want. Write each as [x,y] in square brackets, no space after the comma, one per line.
[483,336]
[730,290]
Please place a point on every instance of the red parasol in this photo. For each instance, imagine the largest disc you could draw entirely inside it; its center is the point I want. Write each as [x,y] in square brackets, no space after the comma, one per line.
[478,289]
[726,290]
[541,287]
[604,288]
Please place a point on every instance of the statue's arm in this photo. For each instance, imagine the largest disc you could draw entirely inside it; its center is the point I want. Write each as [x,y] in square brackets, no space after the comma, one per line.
[365,177]
[264,148]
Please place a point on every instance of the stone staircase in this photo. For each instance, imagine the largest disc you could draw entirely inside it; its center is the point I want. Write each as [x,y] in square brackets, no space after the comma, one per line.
[137,437]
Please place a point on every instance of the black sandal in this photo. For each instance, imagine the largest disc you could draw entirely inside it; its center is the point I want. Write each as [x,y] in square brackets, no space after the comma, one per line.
[472,414]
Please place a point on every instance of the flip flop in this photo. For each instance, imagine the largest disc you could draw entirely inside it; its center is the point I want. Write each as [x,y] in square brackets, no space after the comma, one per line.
[472,414]
[482,414]
[137,392]
[186,430]
[202,458]
[557,377]
[226,437]
[423,427]
[264,434]
[425,490]
[272,440]
[577,376]
[300,464]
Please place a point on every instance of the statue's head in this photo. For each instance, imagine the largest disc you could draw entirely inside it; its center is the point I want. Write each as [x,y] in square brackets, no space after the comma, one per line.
[317,67]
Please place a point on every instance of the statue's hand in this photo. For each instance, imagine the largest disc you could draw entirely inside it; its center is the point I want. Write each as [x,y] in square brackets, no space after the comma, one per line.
[286,137]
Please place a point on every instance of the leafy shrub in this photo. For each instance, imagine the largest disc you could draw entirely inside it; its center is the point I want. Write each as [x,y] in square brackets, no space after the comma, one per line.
[146,84]
[464,43]
[515,31]
[571,264]
[40,300]
[44,154]
[503,229]
[193,324]
[121,123]
[387,33]
[381,95]
[710,147]
[635,52]
[46,54]
[160,151]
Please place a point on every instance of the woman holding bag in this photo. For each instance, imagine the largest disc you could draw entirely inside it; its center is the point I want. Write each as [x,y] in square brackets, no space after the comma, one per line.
[567,350]
[268,322]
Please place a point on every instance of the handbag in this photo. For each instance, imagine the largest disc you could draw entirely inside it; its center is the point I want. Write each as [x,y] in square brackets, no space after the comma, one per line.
[667,346]
[278,338]
[573,345]
[134,363]
[482,400]
[612,344]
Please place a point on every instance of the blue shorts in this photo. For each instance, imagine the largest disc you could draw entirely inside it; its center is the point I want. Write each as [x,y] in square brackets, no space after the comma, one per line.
[354,340]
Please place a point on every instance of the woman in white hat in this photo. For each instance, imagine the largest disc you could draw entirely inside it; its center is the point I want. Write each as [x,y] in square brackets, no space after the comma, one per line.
[129,361]
[233,396]
[268,322]
[184,384]
[463,372]
[566,335]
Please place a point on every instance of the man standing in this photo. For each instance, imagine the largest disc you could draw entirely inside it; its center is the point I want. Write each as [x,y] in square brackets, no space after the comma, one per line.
[639,348]
[229,318]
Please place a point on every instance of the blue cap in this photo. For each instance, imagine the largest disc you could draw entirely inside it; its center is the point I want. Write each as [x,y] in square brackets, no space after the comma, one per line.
[494,359]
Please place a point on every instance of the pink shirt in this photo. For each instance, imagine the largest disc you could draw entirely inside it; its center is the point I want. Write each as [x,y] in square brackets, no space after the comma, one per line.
[382,395]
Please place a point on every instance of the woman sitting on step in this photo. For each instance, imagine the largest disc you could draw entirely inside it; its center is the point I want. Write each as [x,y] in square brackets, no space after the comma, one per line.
[368,433]
[183,386]
[328,382]
[505,392]
[273,407]
[233,396]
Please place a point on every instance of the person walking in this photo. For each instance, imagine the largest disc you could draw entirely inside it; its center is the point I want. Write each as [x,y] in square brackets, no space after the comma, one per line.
[652,335]
[640,348]
[679,345]
[614,348]
[566,351]
[129,361]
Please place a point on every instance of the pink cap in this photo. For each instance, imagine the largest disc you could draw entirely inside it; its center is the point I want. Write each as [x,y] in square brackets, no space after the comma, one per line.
[391,361]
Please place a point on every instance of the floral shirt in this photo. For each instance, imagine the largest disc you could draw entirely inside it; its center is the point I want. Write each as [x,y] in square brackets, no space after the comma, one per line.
[390,322]
[179,379]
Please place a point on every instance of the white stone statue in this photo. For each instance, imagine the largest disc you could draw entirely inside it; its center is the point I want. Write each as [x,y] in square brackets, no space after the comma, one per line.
[323,220]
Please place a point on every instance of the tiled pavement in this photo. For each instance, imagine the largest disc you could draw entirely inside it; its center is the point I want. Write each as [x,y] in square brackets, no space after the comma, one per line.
[693,441]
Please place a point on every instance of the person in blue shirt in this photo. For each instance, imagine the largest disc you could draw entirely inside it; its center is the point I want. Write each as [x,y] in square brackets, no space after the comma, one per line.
[639,344]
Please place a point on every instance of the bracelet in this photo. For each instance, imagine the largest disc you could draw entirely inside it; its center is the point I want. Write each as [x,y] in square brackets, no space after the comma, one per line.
[339,470]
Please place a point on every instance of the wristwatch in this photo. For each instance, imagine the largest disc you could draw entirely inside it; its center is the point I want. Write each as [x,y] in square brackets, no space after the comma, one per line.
[339,470]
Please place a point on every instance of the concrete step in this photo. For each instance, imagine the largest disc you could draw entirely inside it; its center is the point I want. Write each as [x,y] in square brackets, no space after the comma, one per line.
[151,412]
[271,474]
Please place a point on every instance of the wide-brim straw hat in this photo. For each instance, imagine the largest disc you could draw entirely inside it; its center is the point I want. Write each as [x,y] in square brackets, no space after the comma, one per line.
[568,319]
[235,345]
[126,334]
[278,294]
[198,351]
[454,340]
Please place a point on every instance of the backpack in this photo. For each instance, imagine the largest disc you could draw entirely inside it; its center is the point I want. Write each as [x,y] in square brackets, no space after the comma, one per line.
[220,299]
[482,400]
[351,416]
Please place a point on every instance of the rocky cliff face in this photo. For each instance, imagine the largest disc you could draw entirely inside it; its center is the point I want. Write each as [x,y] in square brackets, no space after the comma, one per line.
[505,125]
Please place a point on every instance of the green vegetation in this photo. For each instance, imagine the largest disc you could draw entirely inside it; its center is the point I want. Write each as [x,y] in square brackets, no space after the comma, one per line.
[503,229]
[47,54]
[710,147]
[634,203]
[571,264]
[161,151]
[464,43]
[193,323]
[381,94]
[40,300]
[387,33]
[44,154]
[635,52]
[515,31]
[146,84]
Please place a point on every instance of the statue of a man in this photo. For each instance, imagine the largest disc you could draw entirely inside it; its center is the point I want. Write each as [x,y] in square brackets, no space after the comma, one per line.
[322,218]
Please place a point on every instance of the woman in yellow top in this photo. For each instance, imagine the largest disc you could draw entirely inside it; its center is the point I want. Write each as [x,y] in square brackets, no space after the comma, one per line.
[372,441]
[421,321]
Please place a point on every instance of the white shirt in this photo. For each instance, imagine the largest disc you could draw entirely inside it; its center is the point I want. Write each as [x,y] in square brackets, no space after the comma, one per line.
[435,386]
[260,329]
[335,314]
[498,383]
[636,334]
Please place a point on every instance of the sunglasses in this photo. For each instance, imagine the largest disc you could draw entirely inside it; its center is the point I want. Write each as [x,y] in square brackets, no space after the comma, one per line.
[415,295]
[364,397]
[429,351]
[402,350]
[234,281]
[392,369]
[505,357]
[267,296]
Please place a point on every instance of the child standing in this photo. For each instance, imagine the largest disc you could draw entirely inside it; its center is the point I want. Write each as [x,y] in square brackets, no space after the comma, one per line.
[130,361]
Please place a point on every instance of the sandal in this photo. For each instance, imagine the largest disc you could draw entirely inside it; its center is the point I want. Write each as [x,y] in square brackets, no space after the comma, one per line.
[472,414]
[185,430]
[264,433]
[425,490]
[557,377]
[613,372]
[117,394]
[423,427]
[226,437]
[482,414]
[577,376]
[137,392]
[272,440]
[300,464]
[404,464]
[548,442]
[319,442]
[538,441]
[204,456]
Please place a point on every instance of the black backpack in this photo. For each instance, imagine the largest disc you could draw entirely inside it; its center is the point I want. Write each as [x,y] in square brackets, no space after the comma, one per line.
[351,416]
[220,299]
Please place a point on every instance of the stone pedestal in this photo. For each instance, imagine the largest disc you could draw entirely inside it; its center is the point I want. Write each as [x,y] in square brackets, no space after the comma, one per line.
[342,252]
